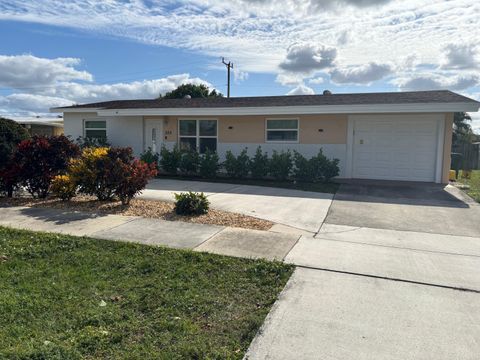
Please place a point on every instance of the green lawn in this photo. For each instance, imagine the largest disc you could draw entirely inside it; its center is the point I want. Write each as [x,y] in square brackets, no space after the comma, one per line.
[330,187]
[474,183]
[65,297]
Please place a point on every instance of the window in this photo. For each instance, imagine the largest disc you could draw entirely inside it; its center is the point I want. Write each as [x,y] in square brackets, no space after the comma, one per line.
[282,130]
[198,135]
[96,129]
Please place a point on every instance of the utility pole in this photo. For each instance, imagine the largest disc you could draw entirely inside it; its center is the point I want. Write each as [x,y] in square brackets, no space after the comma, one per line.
[229,66]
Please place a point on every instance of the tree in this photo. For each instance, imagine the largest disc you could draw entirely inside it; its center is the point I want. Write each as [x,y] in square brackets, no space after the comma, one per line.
[462,131]
[11,134]
[195,91]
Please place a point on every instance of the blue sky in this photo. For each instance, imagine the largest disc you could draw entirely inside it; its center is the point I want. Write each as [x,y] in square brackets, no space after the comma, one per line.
[56,53]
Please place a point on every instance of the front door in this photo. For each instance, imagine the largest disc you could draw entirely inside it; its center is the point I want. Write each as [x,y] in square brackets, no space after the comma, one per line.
[153,134]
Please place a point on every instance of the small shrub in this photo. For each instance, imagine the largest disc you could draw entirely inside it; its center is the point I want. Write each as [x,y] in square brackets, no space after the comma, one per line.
[63,187]
[327,169]
[189,162]
[304,169]
[149,157]
[9,178]
[92,173]
[209,165]
[132,178]
[40,159]
[237,166]
[191,203]
[170,159]
[110,172]
[317,168]
[281,164]
[330,169]
[259,164]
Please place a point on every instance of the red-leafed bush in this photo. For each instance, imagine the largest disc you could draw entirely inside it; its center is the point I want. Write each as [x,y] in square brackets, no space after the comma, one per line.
[133,178]
[40,159]
[110,172]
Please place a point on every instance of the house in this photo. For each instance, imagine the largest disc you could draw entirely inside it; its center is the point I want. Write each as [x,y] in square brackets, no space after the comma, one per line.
[390,136]
[41,125]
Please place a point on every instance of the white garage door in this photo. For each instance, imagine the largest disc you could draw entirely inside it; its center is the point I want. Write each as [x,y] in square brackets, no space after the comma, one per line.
[395,147]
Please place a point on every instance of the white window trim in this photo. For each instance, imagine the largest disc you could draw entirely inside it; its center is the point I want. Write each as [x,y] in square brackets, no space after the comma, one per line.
[94,119]
[283,141]
[197,135]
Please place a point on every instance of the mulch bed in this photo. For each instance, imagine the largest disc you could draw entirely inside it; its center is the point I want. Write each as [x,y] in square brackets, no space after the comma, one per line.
[139,207]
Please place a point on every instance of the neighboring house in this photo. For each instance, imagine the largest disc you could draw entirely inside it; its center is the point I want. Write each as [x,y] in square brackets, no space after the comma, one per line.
[391,136]
[41,125]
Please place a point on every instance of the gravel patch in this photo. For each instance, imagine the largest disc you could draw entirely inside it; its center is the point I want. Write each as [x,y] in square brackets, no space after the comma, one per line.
[146,208]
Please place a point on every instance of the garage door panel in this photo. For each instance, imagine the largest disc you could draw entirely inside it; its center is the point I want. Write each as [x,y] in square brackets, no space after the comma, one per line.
[395,148]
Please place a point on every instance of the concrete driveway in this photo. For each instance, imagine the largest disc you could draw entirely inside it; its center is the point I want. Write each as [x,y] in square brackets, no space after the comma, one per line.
[405,206]
[302,210]
[393,273]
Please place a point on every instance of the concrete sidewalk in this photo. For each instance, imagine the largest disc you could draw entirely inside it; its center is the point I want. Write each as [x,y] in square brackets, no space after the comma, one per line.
[177,234]
[328,315]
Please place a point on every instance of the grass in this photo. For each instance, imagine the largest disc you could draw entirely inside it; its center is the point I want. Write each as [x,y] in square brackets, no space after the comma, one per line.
[474,183]
[66,297]
[330,187]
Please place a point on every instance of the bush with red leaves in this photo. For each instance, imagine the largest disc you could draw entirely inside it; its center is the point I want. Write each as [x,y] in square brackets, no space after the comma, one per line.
[111,172]
[132,178]
[40,159]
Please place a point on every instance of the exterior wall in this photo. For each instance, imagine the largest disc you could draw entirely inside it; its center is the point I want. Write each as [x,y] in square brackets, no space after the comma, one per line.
[73,123]
[121,130]
[126,131]
[236,133]
[329,132]
[251,129]
[447,147]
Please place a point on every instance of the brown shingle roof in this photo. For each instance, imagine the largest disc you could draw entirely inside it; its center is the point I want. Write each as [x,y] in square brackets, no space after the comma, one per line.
[411,97]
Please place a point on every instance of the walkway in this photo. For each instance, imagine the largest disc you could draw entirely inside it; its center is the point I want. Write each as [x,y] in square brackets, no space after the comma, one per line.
[178,234]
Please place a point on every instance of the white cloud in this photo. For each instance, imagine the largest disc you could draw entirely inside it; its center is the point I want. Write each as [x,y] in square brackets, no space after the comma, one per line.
[239,75]
[317,81]
[256,38]
[461,56]
[31,103]
[429,81]
[364,74]
[307,58]
[50,85]
[289,79]
[256,35]
[146,89]
[301,90]
[28,71]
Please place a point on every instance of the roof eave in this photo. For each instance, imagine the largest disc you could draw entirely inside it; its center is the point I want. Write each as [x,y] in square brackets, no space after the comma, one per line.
[291,110]
[73,109]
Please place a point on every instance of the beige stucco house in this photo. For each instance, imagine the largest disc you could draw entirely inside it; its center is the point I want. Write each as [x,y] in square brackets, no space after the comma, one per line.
[388,136]
[41,125]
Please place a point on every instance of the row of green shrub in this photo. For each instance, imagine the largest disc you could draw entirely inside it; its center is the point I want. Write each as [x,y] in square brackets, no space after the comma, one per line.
[45,164]
[281,166]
